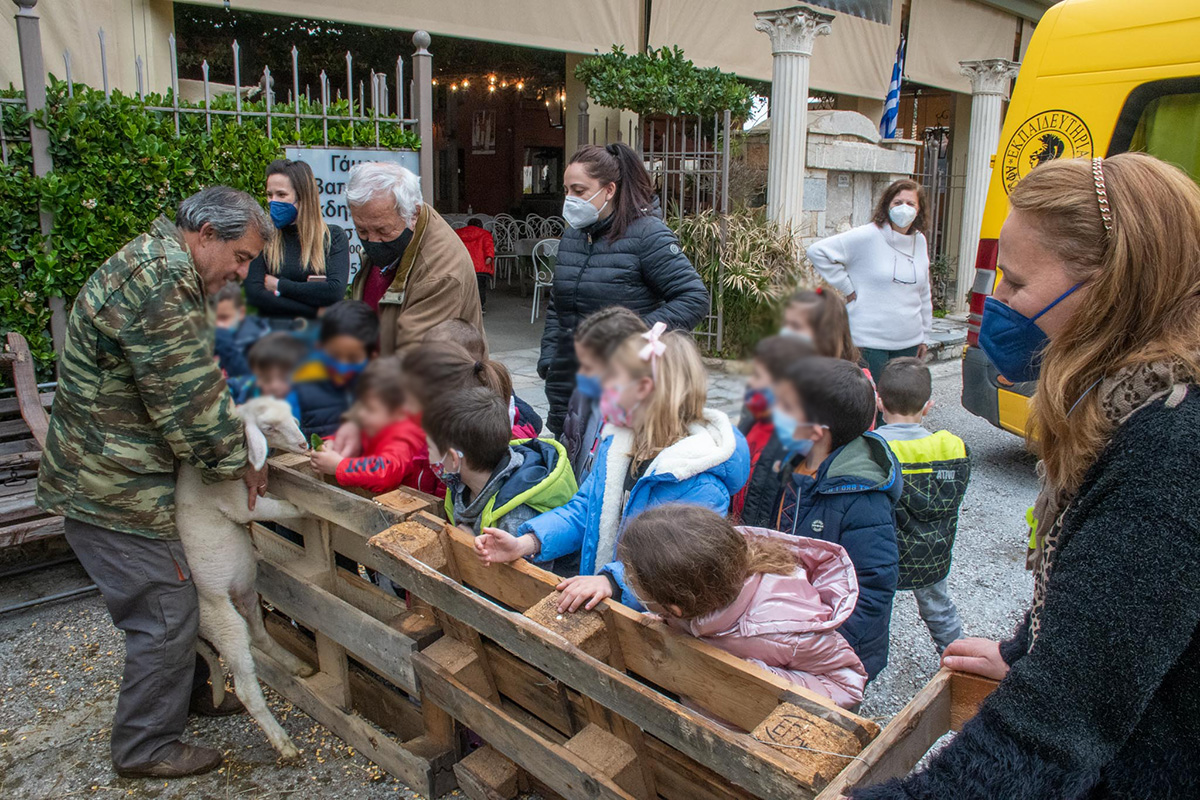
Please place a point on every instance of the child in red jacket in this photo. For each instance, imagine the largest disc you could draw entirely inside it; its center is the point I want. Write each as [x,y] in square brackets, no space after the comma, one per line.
[482,248]
[394,451]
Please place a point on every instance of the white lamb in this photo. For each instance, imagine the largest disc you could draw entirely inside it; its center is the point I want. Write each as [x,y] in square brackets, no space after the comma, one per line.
[212,520]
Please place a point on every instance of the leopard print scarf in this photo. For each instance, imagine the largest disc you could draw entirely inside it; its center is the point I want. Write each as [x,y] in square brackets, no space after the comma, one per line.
[1120,395]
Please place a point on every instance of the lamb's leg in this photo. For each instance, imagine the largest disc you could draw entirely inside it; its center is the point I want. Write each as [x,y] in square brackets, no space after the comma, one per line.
[265,509]
[248,606]
[232,640]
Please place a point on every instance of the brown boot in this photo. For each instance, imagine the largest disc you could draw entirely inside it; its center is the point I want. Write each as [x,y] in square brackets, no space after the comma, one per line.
[178,760]
[202,703]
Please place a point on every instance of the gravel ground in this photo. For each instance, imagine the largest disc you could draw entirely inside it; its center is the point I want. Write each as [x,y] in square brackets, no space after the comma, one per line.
[60,664]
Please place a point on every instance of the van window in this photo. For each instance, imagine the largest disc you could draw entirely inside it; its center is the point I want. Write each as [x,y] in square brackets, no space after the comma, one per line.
[1169,128]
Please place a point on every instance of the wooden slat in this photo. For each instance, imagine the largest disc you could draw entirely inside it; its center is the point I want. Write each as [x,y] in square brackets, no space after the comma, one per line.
[376,644]
[30,531]
[565,772]
[903,743]
[743,760]
[430,777]
[11,407]
[330,503]
[967,693]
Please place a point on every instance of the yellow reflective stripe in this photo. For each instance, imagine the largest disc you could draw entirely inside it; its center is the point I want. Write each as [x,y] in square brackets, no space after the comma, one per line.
[940,446]
[916,471]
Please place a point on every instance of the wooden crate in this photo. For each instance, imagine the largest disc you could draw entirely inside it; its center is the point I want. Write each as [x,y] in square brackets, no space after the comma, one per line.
[23,426]
[575,705]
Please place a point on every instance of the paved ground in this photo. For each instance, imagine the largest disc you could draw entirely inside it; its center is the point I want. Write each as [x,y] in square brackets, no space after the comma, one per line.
[60,664]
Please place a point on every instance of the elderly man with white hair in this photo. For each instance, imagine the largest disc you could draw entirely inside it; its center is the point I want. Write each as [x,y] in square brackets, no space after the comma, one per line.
[416,272]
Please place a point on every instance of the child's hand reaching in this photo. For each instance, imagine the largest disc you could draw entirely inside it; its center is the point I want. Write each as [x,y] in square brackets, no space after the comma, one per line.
[325,461]
[495,546]
[589,589]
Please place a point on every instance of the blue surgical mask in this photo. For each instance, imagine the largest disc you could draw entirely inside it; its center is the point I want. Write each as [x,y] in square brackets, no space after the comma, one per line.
[785,429]
[283,214]
[1012,341]
[588,385]
[339,371]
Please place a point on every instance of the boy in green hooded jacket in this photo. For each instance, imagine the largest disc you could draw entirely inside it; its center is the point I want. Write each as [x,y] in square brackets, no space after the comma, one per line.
[490,481]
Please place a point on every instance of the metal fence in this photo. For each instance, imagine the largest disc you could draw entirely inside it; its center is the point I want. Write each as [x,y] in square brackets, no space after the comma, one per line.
[687,157]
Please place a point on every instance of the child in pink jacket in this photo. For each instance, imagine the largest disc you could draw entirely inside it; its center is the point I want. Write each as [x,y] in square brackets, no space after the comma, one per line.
[773,599]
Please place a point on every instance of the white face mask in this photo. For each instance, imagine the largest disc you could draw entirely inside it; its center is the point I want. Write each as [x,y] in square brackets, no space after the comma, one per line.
[804,337]
[580,213]
[902,215]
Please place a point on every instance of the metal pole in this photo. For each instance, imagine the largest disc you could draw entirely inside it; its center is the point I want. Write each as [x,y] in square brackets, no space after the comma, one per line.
[296,88]
[399,87]
[725,125]
[237,80]
[104,65]
[137,65]
[350,90]
[375,93]
[207,101]
[581,136]
[67,69]
[174,81]
[423,108]
[267,96]
[50,598]
[33,76]
[325,107]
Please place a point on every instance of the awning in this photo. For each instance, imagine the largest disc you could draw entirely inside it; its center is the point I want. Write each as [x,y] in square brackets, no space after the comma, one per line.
[574,27]
[943,32]
[855,58]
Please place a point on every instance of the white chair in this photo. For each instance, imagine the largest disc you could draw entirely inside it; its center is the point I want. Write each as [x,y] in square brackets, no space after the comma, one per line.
[533,222]
[545,254]
[458,224]
[504,234]
[553,227]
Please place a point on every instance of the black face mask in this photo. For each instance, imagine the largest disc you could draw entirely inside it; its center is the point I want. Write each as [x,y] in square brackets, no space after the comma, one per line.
[384,254]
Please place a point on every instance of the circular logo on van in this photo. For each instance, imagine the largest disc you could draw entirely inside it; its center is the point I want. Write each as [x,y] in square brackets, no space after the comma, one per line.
[1041,138]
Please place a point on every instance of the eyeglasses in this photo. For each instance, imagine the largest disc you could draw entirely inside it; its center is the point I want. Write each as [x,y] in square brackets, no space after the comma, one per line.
[897,269]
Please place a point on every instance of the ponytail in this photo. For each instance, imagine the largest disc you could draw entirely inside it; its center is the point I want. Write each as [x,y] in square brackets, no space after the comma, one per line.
[438,368]
[619,164]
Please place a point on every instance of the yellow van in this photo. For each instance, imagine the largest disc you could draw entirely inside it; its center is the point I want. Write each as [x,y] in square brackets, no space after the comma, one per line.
[1099,77]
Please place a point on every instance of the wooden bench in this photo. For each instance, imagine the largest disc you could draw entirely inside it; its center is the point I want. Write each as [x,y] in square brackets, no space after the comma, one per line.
[24,422]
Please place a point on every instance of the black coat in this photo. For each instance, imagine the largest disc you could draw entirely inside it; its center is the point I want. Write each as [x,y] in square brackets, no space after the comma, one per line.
[1107,704]
[645,271]
[298,296]
[766,484]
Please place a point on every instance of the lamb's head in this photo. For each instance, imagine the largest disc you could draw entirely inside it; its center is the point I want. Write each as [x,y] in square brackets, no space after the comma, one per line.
[269,423]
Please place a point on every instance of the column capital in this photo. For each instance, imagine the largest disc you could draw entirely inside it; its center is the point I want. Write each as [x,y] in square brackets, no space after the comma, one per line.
[989,75]
[794,29]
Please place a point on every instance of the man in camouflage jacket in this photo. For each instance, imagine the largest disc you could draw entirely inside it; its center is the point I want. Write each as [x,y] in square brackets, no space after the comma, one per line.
[139,391]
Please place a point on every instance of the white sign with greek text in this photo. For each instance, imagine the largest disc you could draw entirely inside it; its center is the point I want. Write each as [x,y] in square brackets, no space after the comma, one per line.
[331,167]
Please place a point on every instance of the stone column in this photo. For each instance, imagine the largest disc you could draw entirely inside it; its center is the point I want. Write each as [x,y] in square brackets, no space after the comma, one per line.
[793,32]
[422,108]
[989,85]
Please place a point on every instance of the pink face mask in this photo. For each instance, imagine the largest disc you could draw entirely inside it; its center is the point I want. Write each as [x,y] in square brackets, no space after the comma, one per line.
[612,410]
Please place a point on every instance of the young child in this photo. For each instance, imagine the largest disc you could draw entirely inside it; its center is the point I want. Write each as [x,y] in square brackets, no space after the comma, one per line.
[843,487]
[755,504]
[491,482]
[324,385]
[772,599]
[595,340]
[819,315]
[393,444]
[936,469]
[236,332]
[526,423]
[664,447]
[482,248]
[273,359]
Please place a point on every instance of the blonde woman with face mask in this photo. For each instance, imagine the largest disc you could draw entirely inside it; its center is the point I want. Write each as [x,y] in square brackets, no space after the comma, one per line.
[882,269]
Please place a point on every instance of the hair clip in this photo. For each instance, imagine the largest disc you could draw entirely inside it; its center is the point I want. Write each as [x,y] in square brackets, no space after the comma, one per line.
[654,347]
[820,290]
[1102,193]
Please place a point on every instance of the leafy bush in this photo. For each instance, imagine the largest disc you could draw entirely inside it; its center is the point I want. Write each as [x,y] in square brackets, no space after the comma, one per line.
[661,82]
[117,166]
[762,267]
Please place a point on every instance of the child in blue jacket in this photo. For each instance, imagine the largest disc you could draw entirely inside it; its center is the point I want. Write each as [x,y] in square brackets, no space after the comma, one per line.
[843,488]
[661,445]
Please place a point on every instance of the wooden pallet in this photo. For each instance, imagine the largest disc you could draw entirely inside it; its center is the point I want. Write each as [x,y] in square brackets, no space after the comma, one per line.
[575,705]
[24,423]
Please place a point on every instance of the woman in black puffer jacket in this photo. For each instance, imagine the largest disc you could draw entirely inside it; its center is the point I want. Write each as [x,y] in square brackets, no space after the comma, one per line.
[617,251]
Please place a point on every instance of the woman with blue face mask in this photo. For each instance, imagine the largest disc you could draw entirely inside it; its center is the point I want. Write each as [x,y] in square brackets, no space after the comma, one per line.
[1099,301]
[615,251]
[304,268]
[882,270]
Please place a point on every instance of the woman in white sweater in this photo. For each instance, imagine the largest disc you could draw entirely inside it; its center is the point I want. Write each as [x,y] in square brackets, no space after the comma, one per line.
[882,268]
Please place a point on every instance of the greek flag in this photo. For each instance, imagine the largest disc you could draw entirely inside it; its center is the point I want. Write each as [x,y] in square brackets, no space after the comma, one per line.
[891,109]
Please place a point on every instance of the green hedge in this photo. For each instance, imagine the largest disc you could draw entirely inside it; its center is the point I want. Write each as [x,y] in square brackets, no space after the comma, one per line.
[117,166]
[661,81]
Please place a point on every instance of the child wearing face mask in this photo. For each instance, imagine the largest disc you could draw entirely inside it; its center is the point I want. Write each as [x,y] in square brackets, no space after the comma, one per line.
[393,444]
[235,331]
[490,481]
[324,385]
[595,340]
[661,445]
[819,317]
[755,504]
[842,484]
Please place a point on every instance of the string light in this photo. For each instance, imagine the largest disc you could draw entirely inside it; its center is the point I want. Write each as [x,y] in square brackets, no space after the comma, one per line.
[454,87]
[491,88]
[466,83]
[434,81]
[520,86]
[503,84]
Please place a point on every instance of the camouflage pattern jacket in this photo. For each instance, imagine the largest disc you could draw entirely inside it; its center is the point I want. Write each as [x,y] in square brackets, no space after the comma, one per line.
[138,390]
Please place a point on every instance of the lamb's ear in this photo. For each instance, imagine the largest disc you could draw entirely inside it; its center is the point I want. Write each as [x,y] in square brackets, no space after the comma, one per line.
[256,443]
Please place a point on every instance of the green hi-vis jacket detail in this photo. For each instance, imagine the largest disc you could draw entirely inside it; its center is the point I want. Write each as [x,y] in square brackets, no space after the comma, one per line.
[936,470]
[535,478]
[138,390]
